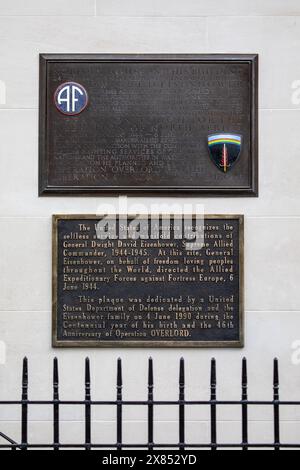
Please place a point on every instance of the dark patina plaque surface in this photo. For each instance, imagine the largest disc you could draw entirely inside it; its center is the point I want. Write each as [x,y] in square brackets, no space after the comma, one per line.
[141,124]
[147,292]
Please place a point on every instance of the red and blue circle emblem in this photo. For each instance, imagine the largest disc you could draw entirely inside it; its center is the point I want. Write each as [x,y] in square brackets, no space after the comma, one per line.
[71,98]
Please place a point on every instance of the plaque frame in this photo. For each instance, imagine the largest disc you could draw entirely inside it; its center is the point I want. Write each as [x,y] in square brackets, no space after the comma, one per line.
[252,190]
[147,344]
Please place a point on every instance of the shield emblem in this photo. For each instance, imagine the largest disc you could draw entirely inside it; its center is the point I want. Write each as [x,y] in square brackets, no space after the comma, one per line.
[225,150]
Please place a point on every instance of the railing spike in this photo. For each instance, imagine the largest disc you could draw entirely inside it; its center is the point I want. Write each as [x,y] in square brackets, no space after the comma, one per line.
[24,424]
[88,430]
[55,372]
[25,371]
[244,372]
[244,405]
[213,408]
[182,372]
[276,372]
[150,405]
[181,405]
[119,374]
[119,405]
[150,372]
[55,404]
[87,371]
[213,374]
[276,405]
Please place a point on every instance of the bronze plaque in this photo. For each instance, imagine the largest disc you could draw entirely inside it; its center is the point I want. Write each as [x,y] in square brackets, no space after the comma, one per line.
[149,124]
[144,290]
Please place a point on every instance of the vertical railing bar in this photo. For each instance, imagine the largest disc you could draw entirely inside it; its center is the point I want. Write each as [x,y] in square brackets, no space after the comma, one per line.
[24,432]
[55,405]
[181,405]
[119,405]
[213,408]
[276,406]
[88,404]
[245,406]
[150,405]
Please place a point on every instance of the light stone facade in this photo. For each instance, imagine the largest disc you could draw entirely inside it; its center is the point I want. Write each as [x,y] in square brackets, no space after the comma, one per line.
[272,222]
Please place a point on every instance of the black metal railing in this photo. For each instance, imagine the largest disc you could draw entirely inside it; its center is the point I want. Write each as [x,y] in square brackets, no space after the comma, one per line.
[214,404]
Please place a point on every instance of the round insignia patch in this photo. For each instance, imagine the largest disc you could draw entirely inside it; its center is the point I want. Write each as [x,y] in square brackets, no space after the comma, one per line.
[71,98]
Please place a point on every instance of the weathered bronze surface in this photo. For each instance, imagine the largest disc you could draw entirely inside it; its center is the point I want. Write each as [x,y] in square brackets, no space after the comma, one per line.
[147,292]
[144,124]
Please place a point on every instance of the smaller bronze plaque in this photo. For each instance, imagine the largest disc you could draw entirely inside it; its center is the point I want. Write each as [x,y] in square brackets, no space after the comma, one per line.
[137,282]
